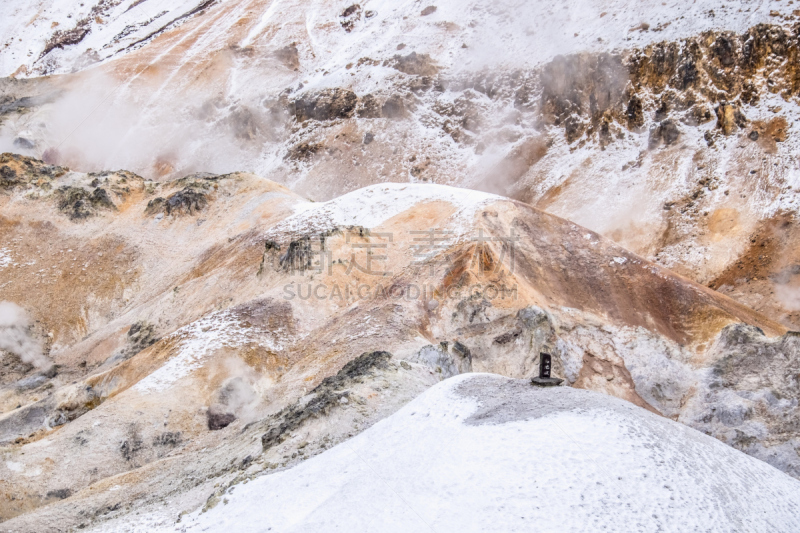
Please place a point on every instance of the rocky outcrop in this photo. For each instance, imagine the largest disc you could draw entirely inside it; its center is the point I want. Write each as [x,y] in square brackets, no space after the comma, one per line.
[326,105]
[188,201]
[79,203]
[752,400]
[324,397]
[21,171]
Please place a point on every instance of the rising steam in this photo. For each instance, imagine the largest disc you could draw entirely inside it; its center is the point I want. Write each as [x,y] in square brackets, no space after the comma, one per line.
[15,336]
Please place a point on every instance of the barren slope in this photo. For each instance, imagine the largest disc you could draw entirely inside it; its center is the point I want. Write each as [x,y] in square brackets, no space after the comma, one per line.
[227,327]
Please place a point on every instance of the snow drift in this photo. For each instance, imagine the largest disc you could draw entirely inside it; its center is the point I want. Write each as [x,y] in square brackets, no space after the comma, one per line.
[486,453]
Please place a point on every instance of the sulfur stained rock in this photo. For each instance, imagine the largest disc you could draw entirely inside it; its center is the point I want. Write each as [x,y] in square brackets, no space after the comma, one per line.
[729,118]
[19,170]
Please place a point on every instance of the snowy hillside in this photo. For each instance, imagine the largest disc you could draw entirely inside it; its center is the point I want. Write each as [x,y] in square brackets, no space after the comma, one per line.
[235,235]
[48,37]
[485,453]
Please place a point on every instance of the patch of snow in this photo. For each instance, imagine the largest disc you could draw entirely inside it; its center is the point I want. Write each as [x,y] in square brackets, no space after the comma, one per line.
[546,460]
[372,206]
[199,339]
[5,258]
[15,467]
[620,260]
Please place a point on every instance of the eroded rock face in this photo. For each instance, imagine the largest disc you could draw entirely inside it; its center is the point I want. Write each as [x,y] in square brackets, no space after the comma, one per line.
[752,398]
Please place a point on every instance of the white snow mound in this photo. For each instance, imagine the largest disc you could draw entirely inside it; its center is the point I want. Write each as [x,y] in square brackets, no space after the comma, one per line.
[371,206]
[485,453]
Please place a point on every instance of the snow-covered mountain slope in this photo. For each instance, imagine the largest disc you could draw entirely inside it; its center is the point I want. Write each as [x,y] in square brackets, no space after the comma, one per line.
[485,453]
[486,181]
[46,37]
[602,112]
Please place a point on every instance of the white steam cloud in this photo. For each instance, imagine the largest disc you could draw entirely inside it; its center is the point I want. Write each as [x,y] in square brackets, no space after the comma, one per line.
[15,337]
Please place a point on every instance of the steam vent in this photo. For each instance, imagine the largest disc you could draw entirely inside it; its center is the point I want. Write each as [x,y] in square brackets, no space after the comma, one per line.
[398,266]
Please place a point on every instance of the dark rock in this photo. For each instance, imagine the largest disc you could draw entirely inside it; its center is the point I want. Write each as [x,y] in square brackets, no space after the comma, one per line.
[765,371]
[373,106]
[62,38]
[188,201]
[393,107]
[19,170]
[699,114]
[324,397]
[247,461]
[369,107]
[666,132]
[101,198]
[329,104]
[368,137]
[289,56]
[546,382]
[724,50]
[60,494]
[303,151]
[27,102]
[298,256]
[219,420]
[350,16]
[168,438]
[580,91]
[140,336]
[634,113]
[8,176]
[25,144]
[78,203]
[509,336]
[662,111]
[428,11]
[25,420]
[753,135]
[351,10]
[573,128]
[131,447]
[462,350]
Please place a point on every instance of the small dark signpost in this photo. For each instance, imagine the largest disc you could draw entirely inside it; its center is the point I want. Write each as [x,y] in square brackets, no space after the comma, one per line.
[544,379]
[545,360]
